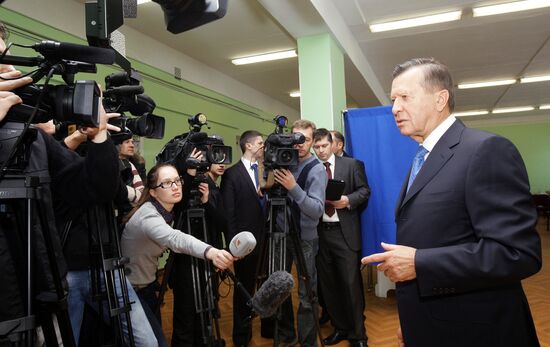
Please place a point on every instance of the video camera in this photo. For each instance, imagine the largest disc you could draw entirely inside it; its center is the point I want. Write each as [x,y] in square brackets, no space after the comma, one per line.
[125,94]
[279,151]
[76,101]
[178,153]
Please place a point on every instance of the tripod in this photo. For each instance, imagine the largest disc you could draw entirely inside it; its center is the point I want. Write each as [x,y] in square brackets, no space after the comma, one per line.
[19,331]
[107,273]
[273,256]
[203,275]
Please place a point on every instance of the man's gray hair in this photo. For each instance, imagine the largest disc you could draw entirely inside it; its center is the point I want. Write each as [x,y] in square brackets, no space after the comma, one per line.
[436,75]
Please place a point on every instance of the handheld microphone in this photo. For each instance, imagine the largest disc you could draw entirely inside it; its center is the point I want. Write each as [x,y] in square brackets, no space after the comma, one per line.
[273,291]
[71,51]
[242,244]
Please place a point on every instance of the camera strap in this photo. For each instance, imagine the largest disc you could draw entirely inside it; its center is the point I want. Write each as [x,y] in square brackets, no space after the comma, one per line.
[301,181]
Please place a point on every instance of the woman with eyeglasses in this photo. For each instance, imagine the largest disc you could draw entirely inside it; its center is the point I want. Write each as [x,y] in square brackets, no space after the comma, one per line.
[148,234]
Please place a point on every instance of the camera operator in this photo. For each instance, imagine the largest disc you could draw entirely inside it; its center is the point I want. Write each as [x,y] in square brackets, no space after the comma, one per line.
[148,234]
[76,183]
[131,186]
[306,184]
[75,230]
[215,210]
[186,321]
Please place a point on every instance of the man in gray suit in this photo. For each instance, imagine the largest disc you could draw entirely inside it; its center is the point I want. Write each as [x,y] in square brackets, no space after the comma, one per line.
[338,261]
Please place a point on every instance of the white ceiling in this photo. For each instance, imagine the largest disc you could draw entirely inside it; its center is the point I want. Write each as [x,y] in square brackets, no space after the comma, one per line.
[496,47]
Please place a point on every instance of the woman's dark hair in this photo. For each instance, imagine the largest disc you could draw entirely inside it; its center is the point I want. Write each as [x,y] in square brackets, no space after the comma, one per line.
[150,183]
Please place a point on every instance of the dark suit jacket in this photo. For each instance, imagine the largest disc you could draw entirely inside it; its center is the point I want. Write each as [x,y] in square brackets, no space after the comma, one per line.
[469,214]
[356,188]
[243,209]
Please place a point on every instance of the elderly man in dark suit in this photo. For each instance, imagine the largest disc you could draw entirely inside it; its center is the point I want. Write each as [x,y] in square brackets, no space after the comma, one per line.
[339,258]
[240,188]
[465,224]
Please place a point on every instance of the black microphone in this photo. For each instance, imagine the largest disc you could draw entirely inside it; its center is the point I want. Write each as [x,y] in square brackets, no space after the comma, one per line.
[124,91]
[71,51]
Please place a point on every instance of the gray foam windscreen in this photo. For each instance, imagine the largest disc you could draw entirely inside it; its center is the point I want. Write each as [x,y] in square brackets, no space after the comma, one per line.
[129,8]
[272,293]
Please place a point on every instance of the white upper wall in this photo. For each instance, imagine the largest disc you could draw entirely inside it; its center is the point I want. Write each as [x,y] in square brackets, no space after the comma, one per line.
[69,16]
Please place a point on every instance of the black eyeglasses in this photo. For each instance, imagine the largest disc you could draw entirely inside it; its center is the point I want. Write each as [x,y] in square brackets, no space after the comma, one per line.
[168,184]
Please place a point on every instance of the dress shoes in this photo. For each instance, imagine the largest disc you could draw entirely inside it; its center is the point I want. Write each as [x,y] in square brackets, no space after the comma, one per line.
[336,337]
[358,343]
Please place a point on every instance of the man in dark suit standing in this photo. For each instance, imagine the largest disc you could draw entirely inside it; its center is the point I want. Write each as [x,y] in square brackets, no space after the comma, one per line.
[339,257]
[466,232]
[244,210]
[338,144]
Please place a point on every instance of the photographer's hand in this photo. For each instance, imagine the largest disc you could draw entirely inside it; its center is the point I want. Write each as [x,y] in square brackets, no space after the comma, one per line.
[203,188]
[197,155]
[7,98]
[9,80]
[99,134]
[285,178]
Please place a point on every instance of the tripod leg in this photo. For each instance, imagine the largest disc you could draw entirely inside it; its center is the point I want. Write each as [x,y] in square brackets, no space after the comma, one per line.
[304,275]
[63,319]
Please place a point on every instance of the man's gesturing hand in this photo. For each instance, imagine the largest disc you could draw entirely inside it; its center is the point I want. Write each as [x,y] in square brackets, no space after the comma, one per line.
[397,262]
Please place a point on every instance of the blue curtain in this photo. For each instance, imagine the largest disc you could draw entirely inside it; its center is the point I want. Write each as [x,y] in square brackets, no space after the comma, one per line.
[373,137]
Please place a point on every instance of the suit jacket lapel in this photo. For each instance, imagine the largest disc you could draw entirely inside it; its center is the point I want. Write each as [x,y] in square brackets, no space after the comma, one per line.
[246,178]
[441,153]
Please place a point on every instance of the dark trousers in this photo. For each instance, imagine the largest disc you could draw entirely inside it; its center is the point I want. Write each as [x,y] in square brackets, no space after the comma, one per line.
[340,278]
[187,328]
[245,271]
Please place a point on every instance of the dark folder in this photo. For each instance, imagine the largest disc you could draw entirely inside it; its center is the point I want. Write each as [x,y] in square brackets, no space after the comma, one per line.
[334,191]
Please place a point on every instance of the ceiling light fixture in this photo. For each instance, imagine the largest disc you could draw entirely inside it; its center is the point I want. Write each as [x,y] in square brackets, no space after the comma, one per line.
[470,113]
[295,94]
[509,7]
[139,2]
[415,22]
[265,57]
[544,107]
[513,109]
[535,79]
[486,84]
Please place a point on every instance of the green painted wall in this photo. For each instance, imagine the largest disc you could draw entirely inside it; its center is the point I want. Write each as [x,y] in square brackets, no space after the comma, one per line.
[533,142]
[176,99]
[322,81]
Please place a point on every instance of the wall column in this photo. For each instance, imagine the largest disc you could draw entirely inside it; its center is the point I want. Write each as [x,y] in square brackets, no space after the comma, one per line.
[322,81]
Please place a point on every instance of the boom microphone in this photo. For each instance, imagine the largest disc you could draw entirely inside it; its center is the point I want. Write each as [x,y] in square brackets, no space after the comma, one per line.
[124,91]
[242,244]
[71,51]
[272,293]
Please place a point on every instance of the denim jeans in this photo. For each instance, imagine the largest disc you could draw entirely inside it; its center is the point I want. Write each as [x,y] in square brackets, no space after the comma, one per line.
[307,332]
[79,294]
[149,302]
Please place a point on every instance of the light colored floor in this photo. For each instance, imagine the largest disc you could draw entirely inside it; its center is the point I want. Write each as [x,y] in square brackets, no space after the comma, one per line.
[381,314]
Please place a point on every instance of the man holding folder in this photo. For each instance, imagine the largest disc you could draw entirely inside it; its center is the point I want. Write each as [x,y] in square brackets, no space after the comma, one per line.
[338,260]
